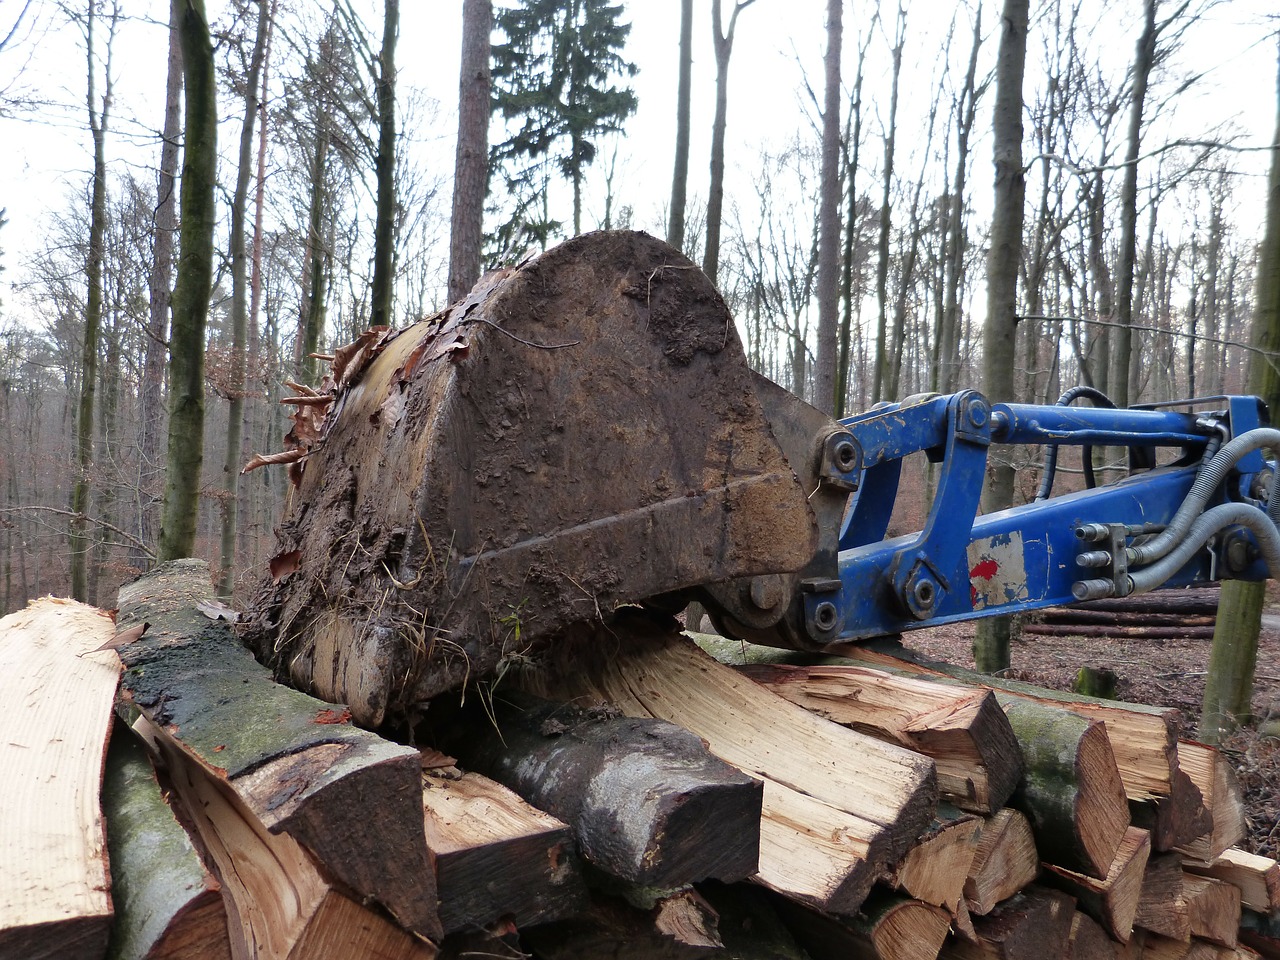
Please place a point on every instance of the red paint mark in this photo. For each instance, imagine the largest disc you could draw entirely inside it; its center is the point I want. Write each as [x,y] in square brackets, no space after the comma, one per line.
[333,716]
[985,570]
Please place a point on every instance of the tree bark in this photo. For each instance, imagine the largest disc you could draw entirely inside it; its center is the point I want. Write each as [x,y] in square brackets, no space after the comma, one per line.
[471,161]
[1228,693]
[194,285]
[680,175]
[992,640]
[829,219]
[240,308]
[882,263]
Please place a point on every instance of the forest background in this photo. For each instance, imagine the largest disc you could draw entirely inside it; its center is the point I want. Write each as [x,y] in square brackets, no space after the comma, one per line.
[90,80]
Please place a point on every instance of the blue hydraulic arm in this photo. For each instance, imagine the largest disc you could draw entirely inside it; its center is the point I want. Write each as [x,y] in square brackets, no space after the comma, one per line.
[1105,541]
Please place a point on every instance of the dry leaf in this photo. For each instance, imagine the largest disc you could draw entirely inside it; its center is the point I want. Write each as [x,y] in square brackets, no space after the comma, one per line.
[123,638]
[333,716]
[217,610]
[267,459]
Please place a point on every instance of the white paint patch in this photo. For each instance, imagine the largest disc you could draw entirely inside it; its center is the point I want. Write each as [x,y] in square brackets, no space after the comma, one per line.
[997,571]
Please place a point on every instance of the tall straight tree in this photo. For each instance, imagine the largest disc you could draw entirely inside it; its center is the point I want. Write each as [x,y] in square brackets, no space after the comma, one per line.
[1228,689]
[991,643]
[99,117]
[159,284]
[240,300]
[829,219]
[680,173]
[1143,60]
[556,72]
[881,374]
[384,165]
[194,284]
[471,161]
[715,192]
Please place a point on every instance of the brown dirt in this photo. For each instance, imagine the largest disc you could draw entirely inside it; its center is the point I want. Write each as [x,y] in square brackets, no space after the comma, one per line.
[1164,673]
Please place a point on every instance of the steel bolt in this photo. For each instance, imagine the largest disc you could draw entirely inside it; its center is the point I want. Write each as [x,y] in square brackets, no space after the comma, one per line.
[824,616]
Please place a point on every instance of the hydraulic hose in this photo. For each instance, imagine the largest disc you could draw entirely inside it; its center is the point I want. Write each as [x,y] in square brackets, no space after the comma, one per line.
[1050,467]
[1211,475]
[1198,534]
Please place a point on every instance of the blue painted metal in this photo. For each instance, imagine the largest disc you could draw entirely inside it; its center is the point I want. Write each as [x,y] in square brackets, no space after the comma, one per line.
[960,566]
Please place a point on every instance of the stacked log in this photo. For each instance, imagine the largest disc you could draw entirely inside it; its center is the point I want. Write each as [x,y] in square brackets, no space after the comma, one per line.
[635,797]
[1173,615]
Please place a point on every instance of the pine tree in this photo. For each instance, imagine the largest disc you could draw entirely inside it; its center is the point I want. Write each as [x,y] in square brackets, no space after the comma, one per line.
[556,81]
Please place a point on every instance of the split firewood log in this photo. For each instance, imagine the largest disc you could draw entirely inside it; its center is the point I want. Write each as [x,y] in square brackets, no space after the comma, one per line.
[58,682]
[1257,877]
[353,799]
[1088,940]
[1214,908]
[889,927]
[280,904]
[1031,925]
[496,855]
[937,866]
[1213,775]
[168,906]
[963,729]
[1162,905]
[1112,901]
[1005,861]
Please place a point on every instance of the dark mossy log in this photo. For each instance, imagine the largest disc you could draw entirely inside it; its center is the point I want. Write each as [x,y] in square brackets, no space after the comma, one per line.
[1032,925]
[1162,906]
[580,432]
[1214,908]
[1112,901]
[1143,738]
[1088,941]
[298,764]
[1071,791]
[1257,877]
[1125,631]
[1176,819]
[614,929]
[935,869]
[646,801]
[280,904]
[889,927]
[497,856]
[1005,861]
[58,686]
[839,806]
[1261,932]
[1217,783]
[168,906]
[962,729]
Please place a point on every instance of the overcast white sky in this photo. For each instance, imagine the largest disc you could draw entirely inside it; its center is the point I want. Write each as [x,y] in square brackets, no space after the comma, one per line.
[45,154]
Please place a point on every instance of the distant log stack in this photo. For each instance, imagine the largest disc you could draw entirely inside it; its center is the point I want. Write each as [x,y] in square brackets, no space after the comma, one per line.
[662,804]
[1167,615]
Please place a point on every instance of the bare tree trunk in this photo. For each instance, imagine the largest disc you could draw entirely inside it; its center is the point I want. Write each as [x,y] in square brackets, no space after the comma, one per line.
[715,194]
[882,266]
[850,239]
[1228,692]
[239,308]
[829,220]
[384,165]
[151,413]
[680,176]
[1123,352]
[991,644]
[314,308]
[99,117]
[471,162]
[191,294]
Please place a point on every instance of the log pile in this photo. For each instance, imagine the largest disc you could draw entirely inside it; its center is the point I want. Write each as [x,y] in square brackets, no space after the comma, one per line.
[632,794]
[1173,615]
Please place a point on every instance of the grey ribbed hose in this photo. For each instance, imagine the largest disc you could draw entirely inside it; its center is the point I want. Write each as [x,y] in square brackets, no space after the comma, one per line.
[1210,477]
[1205,526]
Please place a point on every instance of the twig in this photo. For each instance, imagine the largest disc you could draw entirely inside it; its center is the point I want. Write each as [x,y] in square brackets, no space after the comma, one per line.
[527,343]
[127,537]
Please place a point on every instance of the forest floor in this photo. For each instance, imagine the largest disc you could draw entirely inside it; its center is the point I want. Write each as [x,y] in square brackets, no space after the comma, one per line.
[1161,672]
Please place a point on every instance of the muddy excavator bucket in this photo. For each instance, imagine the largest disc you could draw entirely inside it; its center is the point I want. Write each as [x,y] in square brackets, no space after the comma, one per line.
[579,433]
